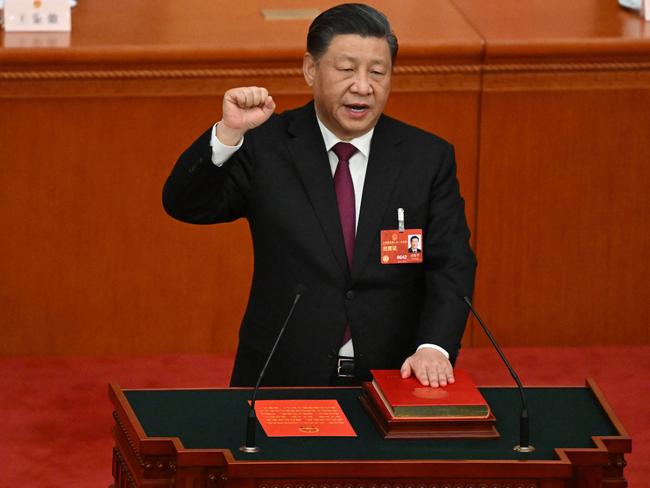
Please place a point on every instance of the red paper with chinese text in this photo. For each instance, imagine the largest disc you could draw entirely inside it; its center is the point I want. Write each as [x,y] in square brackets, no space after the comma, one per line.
[303,418]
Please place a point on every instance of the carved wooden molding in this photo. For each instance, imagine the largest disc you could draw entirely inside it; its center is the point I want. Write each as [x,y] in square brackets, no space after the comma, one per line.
[563,76]
[130,74]
[148,74]
[154,466]
[210,82]
[130,441]
[121,474]
[72,83]
[402,484]
[437,69]
[551,67]
[593,79]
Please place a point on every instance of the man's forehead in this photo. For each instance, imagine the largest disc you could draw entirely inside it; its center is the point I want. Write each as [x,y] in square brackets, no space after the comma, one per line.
[355,47]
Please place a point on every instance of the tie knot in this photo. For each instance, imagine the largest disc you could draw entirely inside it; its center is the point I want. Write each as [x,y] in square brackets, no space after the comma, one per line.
[344,150]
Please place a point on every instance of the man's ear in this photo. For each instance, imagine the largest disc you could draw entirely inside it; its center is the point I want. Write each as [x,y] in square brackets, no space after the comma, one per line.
[309,69]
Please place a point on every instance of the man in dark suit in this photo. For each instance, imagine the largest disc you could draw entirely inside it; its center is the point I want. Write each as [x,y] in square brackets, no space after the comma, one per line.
[414,249]
[317,185]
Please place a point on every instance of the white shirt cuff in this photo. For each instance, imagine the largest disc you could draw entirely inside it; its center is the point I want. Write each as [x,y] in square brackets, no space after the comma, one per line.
[433,346]
[220,152]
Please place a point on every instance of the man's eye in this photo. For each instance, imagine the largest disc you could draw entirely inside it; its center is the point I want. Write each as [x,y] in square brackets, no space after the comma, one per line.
[377,73]
[347,70]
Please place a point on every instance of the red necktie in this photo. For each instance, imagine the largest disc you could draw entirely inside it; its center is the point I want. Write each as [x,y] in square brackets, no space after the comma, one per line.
[345,199]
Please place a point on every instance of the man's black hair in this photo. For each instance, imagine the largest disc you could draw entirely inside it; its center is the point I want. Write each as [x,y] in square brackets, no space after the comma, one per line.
[415,237]
[349,18]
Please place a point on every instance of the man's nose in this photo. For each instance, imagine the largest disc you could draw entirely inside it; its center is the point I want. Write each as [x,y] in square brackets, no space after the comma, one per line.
[362,84]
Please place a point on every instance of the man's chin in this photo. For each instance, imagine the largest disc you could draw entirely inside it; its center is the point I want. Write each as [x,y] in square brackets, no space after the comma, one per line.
[356,128]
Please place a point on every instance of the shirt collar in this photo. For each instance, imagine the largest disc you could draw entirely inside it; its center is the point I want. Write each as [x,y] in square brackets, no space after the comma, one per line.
[362,143]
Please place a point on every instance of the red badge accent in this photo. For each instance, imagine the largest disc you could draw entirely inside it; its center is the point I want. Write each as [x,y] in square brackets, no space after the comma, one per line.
[401,247]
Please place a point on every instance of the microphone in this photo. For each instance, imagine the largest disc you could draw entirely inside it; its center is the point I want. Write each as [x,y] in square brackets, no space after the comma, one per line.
[524,429]
[251,421]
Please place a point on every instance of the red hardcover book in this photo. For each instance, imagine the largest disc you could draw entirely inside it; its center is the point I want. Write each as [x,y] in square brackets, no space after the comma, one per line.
[408,398]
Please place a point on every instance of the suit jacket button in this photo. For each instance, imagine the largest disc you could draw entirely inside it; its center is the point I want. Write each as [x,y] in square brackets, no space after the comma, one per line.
[349,294]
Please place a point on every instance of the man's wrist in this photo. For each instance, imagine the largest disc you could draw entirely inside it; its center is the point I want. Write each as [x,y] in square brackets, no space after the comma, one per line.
[433,346]
[228,136]
[220,152]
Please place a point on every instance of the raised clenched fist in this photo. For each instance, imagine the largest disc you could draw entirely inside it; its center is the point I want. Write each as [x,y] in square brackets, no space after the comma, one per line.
[243,109]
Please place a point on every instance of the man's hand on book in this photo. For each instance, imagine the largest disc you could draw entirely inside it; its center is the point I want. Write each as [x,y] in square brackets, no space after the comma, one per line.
[430,367]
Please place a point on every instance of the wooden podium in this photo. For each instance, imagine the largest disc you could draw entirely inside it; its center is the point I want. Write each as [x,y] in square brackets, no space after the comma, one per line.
[190,438]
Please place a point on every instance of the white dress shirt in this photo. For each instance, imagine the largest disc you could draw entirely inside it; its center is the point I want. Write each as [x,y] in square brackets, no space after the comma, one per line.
[358,166]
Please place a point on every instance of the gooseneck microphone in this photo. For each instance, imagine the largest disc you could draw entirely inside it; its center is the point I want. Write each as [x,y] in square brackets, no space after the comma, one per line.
[251,420]
[524,428]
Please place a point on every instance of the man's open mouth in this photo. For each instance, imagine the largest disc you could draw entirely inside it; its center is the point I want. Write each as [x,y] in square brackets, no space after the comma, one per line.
[357,107]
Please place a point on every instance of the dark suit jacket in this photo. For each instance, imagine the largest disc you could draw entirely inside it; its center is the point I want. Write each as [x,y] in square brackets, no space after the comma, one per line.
[280,180]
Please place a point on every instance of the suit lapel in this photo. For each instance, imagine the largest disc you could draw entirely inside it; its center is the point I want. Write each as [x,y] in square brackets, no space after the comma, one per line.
[310,159]
[381,176]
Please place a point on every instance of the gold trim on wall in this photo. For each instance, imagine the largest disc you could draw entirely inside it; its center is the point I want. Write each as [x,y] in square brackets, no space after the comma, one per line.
[408,78]
[207,73]
[211,81]
[286,72]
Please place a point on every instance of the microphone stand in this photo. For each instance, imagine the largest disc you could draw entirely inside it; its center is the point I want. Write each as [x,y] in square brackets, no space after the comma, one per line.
[524,425]
[251,421]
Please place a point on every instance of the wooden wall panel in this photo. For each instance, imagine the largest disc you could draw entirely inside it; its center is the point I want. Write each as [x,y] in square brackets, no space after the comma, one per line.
[547,116]
[89,133]
[94,265]
[564,214]
[563,172]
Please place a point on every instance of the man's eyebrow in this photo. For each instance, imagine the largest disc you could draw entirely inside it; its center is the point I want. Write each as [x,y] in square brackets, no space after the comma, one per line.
[346,57]
[351,57]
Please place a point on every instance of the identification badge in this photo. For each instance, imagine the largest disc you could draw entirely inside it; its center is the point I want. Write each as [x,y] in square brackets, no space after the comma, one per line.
[401,247]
